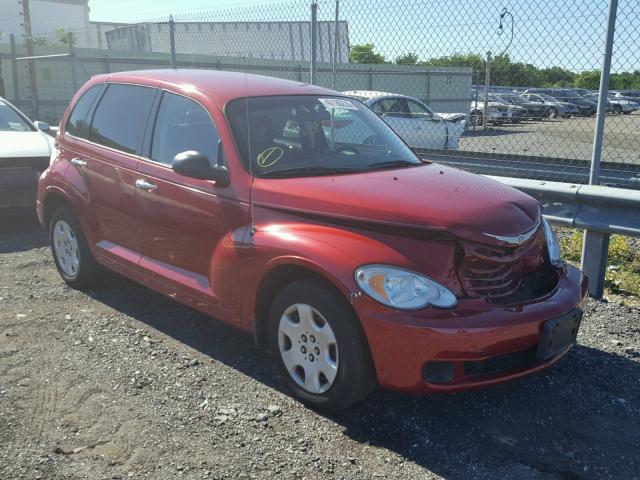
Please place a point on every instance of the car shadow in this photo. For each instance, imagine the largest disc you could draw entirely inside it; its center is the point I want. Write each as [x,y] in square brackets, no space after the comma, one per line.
[580,419]
[19,234]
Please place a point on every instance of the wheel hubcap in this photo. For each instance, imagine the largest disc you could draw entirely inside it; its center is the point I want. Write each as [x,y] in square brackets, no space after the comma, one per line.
[65,244]
[308,348]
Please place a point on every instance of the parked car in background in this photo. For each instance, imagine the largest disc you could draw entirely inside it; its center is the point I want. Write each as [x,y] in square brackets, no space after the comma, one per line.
[628,95]
[412,119]
[586,108]
[616,105]
[25,152]
[518,113]
[556,107]
[498,113]
[350,259]
[534,110]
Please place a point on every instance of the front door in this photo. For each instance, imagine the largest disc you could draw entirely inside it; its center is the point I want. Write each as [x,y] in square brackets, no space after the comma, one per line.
[182,219]
[413,122]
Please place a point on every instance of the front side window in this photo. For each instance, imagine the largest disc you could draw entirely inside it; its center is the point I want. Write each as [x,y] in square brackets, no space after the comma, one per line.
[121,117]
[182,125]
[298,135]
[12,121]
[418,110]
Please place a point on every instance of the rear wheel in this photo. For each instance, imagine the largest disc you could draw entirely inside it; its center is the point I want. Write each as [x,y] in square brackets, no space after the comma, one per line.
[553,112]
[320,347]
[71,254]
[476,118]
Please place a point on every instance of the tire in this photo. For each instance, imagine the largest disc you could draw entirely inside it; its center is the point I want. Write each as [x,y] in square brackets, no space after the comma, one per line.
[298,319]
[617,109]
[476,118]
[553,112]
[71,254]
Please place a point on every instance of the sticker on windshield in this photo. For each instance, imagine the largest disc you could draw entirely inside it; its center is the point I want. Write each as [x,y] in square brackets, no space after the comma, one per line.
[345,103]
[269,157]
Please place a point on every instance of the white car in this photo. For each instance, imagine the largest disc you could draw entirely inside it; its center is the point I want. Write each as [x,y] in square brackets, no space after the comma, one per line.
[412,120]
[498,112]
[25,151]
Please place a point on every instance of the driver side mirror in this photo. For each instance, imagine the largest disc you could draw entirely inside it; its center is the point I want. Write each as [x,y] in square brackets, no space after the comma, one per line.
[196,164]
[42,126]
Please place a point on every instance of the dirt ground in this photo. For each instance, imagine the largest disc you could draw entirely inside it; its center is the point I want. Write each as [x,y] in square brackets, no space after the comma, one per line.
[119,382]
[570,138]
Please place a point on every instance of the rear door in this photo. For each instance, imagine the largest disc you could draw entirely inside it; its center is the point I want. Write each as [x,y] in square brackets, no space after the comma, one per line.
[109,163]
[182,219]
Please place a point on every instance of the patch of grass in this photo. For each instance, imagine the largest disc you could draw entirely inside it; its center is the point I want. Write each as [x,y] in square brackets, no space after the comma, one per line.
[623,271]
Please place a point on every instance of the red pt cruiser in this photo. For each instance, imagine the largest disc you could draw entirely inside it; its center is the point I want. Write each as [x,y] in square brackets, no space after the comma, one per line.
[295,213]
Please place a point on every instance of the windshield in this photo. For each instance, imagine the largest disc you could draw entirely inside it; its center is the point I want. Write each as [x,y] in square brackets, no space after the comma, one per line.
[497,98]
[304,135]
[12,121]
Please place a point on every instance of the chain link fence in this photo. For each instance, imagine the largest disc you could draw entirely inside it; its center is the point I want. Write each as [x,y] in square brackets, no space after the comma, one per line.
[522,75]
[516,82]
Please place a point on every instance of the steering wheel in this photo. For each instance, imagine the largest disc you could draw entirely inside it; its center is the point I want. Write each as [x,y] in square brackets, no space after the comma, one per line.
[348,149]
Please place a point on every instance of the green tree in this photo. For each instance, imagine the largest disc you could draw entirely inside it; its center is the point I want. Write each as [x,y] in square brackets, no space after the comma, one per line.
[589,79]
[62,37]
[407,59]
[365,54]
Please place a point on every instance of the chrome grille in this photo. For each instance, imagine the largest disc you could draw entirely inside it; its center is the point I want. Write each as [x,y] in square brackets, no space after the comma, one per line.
[495,272]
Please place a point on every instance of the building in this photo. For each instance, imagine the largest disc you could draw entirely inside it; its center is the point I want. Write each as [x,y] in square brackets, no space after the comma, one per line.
[45,17]
[264,40]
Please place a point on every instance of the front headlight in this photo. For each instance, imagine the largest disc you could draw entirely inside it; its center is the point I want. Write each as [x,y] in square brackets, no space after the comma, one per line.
[553,247]
[403,289]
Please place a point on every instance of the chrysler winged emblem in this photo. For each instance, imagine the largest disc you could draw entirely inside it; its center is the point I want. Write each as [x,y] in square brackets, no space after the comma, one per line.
[517,239]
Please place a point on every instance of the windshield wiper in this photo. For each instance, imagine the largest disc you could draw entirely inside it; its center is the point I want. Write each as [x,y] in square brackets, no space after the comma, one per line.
[306,171]
[392,164]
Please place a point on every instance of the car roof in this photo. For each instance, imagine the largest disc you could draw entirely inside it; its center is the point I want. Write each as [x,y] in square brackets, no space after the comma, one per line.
[222,86]
[374,94]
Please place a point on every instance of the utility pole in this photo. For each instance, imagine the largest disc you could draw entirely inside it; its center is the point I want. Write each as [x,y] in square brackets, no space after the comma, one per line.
[26,14]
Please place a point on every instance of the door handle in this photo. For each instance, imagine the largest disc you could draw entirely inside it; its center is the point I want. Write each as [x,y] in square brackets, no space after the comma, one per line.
[78,162]
[146,185]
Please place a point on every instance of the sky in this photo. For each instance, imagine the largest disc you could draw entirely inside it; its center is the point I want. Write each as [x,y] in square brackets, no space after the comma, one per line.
[566,33]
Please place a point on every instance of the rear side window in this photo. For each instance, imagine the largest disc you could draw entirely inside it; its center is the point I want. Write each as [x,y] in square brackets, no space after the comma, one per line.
[78,123]
[182,125]
[121,117]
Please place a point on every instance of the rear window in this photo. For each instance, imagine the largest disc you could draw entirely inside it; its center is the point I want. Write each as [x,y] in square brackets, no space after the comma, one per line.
[78,123]
[121,117]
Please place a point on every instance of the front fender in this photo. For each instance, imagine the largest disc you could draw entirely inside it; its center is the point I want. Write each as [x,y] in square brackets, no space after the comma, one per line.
[332,252]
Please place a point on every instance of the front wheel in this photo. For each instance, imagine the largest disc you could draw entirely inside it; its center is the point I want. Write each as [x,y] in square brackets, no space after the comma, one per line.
[320,347]
[553,113]
[71,254]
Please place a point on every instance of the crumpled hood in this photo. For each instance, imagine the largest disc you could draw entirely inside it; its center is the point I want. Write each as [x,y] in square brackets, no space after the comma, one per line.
[25,144]
[429,197]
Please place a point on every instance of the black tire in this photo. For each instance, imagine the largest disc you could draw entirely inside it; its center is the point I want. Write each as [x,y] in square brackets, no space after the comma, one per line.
[88,272]
[553,113]
[617,109]
[476,118]
[355,377]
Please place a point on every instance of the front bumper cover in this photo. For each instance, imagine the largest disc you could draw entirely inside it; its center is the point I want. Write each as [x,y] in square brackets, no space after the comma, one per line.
[402,343]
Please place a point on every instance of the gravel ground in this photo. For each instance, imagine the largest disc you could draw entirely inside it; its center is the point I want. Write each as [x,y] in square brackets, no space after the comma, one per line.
[119,383]
[570,138]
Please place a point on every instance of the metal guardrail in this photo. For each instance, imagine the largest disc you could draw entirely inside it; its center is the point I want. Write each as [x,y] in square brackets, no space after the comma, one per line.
[599,209]
[619,175]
